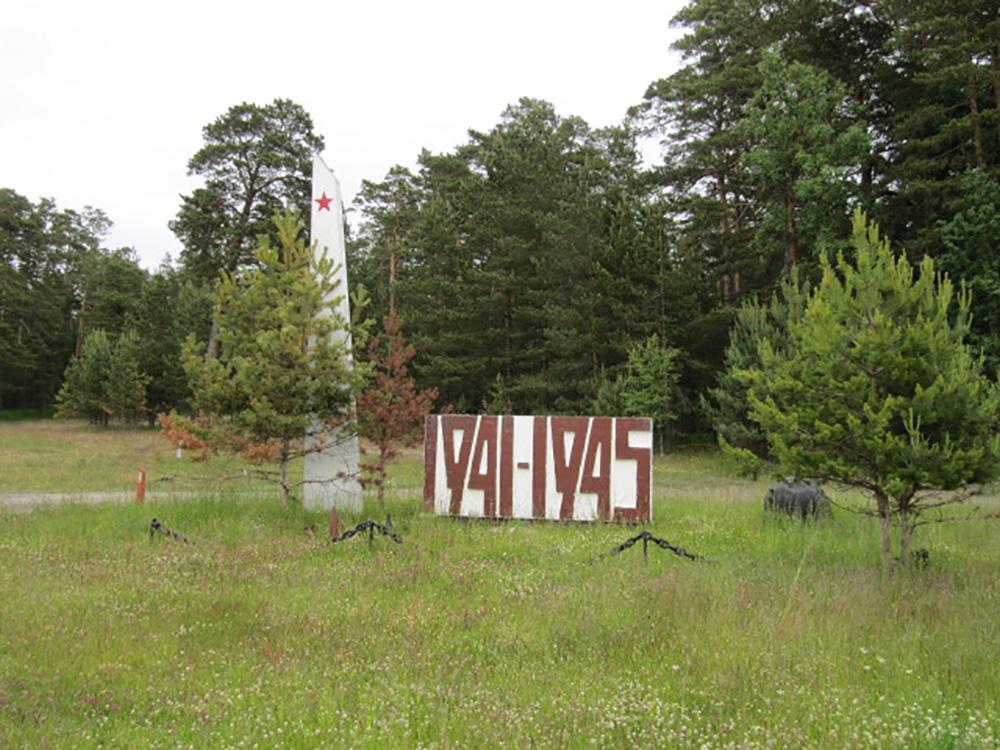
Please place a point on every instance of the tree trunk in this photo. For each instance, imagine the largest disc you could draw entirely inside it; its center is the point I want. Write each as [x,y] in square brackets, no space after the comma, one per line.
[81,324]
[283,488]
[721,194]
[977,132]
[791,231]
[285,459]
[905,534]
[212,351]
[885,534]
[393,244]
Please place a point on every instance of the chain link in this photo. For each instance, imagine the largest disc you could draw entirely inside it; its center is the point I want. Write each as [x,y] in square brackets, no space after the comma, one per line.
[371,527]
[645,537]
[386,530]
[155,525]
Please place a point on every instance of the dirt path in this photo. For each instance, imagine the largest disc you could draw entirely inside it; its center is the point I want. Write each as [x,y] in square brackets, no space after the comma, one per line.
[29,500]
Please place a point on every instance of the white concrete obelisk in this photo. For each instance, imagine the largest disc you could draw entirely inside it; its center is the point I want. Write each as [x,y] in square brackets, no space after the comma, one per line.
[331,474]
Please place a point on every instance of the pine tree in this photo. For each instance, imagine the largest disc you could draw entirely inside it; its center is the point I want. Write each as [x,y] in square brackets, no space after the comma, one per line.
[947,117]
[255,158]
[278,367]
[878,390]
[389,209]
[646,388]
[166,311]
[501,276]
[43,255]
[805,148]
[391,409]
[104,383]
[696,110]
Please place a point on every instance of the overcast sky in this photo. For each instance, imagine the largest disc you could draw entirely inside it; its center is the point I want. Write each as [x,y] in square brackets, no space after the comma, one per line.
[102,103]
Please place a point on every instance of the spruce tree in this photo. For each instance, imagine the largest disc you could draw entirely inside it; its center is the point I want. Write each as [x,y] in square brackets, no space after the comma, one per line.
[726,403]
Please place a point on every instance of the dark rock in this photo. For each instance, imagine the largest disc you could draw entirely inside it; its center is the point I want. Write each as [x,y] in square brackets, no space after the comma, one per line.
[797,498]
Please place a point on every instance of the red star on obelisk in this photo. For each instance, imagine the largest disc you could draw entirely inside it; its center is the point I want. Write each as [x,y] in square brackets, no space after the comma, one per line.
[324,202]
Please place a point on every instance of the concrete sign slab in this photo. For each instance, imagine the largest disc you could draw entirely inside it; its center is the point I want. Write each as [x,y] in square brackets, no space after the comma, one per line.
[570,468]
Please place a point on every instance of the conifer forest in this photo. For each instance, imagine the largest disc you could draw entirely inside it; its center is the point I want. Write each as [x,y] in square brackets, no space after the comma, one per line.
[544,266]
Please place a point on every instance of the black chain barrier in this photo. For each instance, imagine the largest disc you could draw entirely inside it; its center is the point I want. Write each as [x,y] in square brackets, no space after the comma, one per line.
[646,538]
[371,527]
[155,526]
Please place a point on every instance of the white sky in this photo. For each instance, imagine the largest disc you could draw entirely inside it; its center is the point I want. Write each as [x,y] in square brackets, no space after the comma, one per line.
[102,103]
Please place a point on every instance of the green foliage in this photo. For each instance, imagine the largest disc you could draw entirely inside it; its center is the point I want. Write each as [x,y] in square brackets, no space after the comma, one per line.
[284,357]
[971,253]
[389,210]
[877,389]
[696,110]
[109,287]
[647,387]
[532,239]
[526,258]
[105,383]
[947,113]
[805,146]
[522,262]
[650,381]
[43,256]
[607,400]
[727,403]
[255,160]
[784,115]
[498,401]
[58,285]
[168,310]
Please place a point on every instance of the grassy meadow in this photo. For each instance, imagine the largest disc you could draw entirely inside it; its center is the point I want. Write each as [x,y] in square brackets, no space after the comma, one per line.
[263,634]
[71,456]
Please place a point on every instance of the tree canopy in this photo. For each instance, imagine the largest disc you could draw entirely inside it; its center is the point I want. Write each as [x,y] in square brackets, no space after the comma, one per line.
[532,257]
[256,160]
[56,278]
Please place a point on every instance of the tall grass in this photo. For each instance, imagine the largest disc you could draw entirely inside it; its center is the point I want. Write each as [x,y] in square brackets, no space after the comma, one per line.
[475,634]
[23,415]
[72,456]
